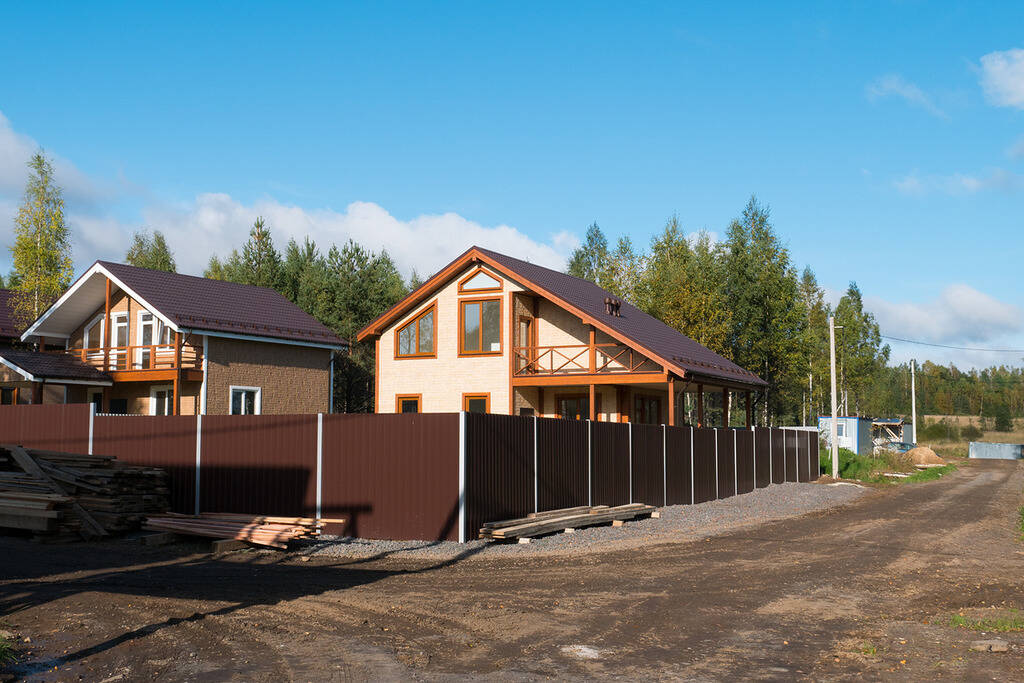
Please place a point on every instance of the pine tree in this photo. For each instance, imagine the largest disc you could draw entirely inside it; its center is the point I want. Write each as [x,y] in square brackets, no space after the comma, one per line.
[261,263]
[589,261]
[42,243]
[151,252]
[859,347]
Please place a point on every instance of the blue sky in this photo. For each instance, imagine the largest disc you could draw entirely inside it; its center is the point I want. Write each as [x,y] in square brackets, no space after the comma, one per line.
[887,138]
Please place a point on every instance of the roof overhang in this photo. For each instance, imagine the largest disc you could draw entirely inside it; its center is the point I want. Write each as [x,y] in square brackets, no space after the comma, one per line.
[83,297]
[29,377]
[266,340]
[474,255]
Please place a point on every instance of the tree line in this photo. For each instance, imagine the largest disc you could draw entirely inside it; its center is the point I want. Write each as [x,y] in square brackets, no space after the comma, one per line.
[742,297]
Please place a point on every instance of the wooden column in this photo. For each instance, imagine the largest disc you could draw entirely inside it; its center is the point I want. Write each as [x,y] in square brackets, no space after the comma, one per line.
[37,393]
[106,328]
[725,407]
[593,398]
[671,401]
[749,413]
[175,409]
[42,343]
[700,405]
[592,357]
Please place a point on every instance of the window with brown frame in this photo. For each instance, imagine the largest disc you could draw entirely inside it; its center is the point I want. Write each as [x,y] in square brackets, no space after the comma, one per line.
[479,281]
[480,327]
[415,339]
[408,403]
[476,403]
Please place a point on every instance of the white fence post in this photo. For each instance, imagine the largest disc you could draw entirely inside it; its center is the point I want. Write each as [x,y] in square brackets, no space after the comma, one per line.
[796,437]
[319,464]
[92,420]
[771,464]
[753,440]
[199,456]
[590,463]
[785,459]
[735,464]
[536,501]
[716,463]
[462,476]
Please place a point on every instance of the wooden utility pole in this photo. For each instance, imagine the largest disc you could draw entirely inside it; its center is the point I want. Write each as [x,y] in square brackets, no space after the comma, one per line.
[835,416]
[913,403]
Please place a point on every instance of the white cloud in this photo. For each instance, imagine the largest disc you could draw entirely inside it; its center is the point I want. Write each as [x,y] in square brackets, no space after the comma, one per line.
[894,85]
[1016,150]
[15,151]
[997,179]
[215,223]
[1002,78]
[959,315]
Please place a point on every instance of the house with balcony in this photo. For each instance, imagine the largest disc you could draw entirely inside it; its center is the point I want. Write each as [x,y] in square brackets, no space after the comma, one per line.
[137,341]
[492,333]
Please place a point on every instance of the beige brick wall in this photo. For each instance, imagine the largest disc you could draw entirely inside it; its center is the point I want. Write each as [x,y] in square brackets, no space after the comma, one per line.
[441,381]
[293,379]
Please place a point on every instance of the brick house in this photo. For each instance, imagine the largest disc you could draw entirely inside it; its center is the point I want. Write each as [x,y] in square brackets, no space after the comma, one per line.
[492,333]
[139,341]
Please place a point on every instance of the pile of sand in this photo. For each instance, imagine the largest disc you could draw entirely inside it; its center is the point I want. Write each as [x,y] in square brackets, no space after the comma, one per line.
[922,455]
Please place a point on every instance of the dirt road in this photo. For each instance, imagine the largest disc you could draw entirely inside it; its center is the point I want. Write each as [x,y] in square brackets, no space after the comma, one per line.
[862,591]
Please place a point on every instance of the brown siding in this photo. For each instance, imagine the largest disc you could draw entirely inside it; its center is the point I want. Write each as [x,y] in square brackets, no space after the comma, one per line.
[294,379]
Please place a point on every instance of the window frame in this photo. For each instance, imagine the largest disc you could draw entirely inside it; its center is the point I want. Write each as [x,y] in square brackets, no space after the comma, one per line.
[485,395]
[415,321]
[501,332]
[409,397]
[169,388]
[257,404]
[482,290]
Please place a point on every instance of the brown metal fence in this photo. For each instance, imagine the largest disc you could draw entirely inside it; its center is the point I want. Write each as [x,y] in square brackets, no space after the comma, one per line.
[429,477]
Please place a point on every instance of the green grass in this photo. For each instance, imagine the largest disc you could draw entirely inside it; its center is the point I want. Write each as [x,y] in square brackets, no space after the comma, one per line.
[6,652]
[1012,620]
[930,474]
[1020,522]
[868,649]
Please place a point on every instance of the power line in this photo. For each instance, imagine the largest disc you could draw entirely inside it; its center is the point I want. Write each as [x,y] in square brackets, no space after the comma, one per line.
[947,346]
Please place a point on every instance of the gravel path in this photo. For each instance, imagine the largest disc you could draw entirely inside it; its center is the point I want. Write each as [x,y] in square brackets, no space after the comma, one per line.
[678,523]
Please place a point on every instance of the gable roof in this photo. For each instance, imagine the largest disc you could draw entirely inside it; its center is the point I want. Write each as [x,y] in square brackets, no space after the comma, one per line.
[186,302]
[632,326]
[8,328]
[37,365]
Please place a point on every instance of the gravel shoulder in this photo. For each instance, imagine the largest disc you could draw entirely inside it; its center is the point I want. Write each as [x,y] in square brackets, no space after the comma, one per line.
[677,524]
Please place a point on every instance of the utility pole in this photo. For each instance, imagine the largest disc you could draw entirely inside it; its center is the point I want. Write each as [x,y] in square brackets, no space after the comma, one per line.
[835,417]
[913,404]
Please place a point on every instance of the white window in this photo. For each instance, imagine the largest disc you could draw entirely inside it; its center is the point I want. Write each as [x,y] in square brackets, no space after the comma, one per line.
[161,400]
[840,429]
[246,400]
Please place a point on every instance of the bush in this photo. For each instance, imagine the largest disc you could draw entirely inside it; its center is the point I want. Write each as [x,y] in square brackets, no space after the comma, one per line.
[942,430]
[851,465]
[970,433]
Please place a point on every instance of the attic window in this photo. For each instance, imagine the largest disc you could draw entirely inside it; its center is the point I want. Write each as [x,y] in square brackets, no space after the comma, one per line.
[479,281]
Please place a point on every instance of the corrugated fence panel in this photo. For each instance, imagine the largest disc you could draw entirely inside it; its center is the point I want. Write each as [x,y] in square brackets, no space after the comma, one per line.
[802,449]
[677,441]
[745,460]
[792,473]
[499,469]
[259,464]
[726,466]
[815,455]
[168,442]
[610,463]
[48,427]
[704,465]
[778,448]
[562,463]
[762,445]
[393,476]
[648,464]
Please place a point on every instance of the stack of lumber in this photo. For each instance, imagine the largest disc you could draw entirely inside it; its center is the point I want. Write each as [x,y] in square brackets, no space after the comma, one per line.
[540,523]
[88,495]
[265,530]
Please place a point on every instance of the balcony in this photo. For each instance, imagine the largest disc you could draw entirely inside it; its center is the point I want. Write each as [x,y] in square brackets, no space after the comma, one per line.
[153,360]
[580,359]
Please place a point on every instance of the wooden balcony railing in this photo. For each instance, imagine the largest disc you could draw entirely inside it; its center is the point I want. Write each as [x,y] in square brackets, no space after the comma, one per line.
[569,359]
[150,357]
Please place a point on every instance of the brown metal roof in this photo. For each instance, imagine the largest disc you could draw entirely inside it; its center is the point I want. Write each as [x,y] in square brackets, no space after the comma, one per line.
[217,306]
[53,366]
[8,328]
[633,326]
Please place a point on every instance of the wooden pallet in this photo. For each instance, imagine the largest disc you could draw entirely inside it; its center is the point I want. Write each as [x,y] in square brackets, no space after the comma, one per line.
[552,521]
[266,530]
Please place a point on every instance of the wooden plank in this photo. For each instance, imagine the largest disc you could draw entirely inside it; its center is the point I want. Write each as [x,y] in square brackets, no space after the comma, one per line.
[27,463]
